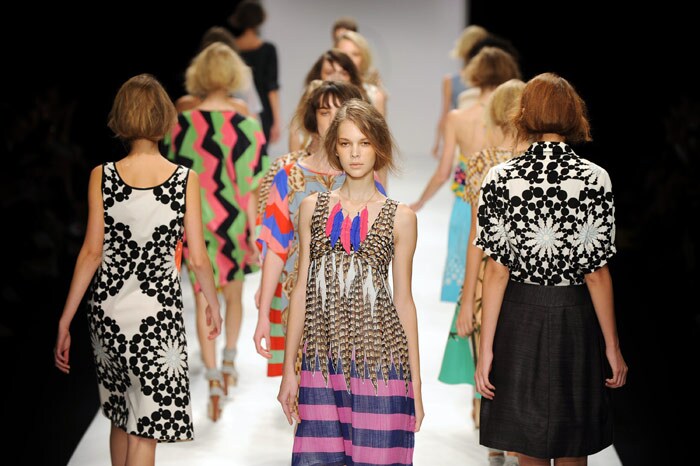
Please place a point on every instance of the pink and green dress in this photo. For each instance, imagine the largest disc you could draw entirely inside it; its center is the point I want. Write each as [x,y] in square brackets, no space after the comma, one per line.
[228,152]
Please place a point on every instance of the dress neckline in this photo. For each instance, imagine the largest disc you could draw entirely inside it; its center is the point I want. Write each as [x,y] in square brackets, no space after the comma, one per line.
[114,165]
[370,230]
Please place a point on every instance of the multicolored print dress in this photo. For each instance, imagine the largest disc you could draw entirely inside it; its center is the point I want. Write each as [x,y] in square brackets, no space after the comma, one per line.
[228,152]
[459,361]
[291,185]
[457,238]
[134,309]
[355,394]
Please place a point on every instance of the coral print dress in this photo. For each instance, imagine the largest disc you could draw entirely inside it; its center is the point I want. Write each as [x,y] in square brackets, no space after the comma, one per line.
[355,395]
[228,152]
[135,309]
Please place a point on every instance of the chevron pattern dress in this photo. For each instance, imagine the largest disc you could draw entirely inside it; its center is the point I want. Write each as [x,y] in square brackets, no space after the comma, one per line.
[228,152]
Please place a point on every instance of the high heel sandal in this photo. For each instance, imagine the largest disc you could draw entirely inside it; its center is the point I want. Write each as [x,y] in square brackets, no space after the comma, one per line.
[228,369]
[216,392]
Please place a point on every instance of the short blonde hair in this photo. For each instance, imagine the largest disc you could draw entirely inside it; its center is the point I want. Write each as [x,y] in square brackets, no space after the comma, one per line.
[468,39]
[365,52]
[372,124]
[550,104]
[142,110]
[491,67]
[503,104]
[215,68]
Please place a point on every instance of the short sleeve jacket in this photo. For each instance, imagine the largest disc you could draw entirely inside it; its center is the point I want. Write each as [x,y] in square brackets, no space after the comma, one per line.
[548,215]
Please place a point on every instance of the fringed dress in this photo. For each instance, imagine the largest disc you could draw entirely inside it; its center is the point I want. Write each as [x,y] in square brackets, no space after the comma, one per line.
[355,396]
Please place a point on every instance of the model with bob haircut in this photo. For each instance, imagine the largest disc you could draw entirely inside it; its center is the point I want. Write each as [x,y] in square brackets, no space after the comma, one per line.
[139,209]
[549,351]
[356,338]
[228,151]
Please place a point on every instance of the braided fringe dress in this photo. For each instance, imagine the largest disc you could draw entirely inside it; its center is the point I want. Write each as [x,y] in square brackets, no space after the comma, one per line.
[355,394]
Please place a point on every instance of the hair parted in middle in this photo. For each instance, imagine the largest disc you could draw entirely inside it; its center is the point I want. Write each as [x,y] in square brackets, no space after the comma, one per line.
[217,67]
[333,56]
[371,124]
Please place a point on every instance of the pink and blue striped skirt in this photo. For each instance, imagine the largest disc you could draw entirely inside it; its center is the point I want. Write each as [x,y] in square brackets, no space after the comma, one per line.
[357,427]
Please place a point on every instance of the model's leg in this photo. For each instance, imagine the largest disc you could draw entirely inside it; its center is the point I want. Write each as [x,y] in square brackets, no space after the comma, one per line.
[525,460]
[140,451]
[117,446]
[233,296]
[208,350]
[573,461]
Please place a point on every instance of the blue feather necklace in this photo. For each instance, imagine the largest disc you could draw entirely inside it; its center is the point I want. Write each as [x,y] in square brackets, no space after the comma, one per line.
[351,233]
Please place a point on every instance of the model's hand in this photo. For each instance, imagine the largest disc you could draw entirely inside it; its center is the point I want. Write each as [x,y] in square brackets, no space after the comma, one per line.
[257,296]
[262,332]
[274,133]
[213,318]
[416,206]
[481,375]
[254,251]
[420,413]
[465,318]
[619,368]
[288,393]
[61,352]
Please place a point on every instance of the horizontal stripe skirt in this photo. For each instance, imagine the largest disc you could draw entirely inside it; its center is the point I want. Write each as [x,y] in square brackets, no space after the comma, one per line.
[549,370]
[361,426]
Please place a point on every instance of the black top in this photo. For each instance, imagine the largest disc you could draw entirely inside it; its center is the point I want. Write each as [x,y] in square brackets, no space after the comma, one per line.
[263,62]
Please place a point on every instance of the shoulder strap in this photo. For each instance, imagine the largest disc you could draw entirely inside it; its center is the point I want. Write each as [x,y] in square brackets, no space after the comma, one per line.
[320,210]
[386,217]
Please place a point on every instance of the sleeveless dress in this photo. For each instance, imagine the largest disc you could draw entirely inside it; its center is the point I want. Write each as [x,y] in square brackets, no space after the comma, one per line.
[228,152]
[355,394]
[135,309]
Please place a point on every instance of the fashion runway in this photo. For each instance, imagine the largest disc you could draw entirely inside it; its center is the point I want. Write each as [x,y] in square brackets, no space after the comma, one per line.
[253,431]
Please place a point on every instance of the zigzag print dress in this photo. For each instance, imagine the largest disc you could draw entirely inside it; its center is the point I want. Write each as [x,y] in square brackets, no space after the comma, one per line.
[228,152]
[355,394]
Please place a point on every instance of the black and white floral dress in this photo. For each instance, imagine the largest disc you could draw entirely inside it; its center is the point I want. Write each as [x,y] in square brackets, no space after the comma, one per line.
[135,309]
[548,215]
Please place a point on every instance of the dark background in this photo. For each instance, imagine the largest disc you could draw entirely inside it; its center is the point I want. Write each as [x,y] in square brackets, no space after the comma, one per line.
[634,71]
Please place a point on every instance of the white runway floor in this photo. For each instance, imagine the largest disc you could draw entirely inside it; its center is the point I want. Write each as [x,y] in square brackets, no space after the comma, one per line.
[253,430]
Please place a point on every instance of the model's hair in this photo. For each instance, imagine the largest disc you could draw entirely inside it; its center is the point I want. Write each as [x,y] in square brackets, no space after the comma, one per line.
[504,104]
[217,34]
[333,56]
[549,104]
[490,68]
[215,68]
[492,40]
[470,36]
[371,124]
[248,14]
[142,110]
[345,22]
[362,44]
[320,96]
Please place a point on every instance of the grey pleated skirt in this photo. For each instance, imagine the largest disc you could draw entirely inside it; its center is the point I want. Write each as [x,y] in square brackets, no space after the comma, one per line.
[549,370]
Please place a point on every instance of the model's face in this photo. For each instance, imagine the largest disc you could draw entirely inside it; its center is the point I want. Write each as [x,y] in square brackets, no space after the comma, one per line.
[355,151]
[352,50]
[324,117]
[334,72]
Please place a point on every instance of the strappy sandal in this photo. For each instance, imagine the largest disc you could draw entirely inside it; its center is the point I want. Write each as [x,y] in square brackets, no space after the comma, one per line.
[216,392]
[228,369]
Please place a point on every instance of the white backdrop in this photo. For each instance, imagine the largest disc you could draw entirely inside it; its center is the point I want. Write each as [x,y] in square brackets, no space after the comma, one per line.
[410,40]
